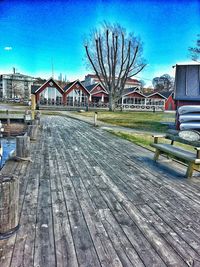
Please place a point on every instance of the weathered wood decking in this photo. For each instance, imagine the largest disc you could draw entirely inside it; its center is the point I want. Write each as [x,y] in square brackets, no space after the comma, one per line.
[92,199]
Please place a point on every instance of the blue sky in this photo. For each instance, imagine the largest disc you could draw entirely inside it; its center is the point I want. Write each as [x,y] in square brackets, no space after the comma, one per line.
[36,33]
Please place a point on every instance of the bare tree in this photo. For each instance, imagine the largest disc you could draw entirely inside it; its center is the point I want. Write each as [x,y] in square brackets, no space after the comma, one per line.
[195,51]
[114,56]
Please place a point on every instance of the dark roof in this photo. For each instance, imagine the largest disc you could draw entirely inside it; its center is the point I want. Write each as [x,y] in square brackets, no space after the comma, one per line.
[68,85]
[166,94]
[34,88]
[148,94]
[130,90]
[90,87]
[154,93]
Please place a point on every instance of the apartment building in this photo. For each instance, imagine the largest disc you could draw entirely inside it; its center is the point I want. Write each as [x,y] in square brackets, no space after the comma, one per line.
[15,85]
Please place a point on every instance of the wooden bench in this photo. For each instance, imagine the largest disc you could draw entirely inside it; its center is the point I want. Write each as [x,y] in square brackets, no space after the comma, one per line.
[189,157]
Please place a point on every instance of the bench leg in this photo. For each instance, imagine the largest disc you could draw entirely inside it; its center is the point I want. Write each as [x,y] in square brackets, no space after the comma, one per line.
[190,170]
[156,155]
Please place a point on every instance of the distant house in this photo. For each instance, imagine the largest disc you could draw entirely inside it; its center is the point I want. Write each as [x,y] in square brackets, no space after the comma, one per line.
[98,95]
[133,99]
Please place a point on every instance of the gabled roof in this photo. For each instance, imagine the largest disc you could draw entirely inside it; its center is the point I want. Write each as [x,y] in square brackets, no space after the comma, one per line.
[156,93]
[46,83]
[69,85]
[131,90]
[167,94]
[91,87]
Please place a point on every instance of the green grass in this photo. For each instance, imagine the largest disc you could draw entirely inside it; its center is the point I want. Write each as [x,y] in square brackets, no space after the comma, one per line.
[146,121]
[145,140]
[139,139]
[12,111]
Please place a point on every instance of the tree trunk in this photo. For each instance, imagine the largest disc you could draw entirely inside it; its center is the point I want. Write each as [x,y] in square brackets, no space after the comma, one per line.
[111,103]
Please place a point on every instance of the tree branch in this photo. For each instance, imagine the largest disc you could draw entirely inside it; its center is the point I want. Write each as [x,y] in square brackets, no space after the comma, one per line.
[95,69]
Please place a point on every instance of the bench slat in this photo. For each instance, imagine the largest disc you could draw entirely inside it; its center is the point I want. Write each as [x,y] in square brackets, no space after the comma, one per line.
[177,152]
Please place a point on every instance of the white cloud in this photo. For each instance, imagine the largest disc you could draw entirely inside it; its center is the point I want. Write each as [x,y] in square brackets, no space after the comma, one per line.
[8,48]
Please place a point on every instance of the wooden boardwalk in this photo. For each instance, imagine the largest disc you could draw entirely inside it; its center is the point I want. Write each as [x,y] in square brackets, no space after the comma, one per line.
[91,199]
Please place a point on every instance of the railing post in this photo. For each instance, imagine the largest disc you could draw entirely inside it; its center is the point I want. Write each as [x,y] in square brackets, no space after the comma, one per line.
[32,132]
[95,119]
[23,147]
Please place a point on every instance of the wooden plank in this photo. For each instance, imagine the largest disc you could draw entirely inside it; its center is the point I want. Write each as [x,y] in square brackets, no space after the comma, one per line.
[103,246]
[171,236]
[23,251]
[44,254]
[65,251]
[85,251]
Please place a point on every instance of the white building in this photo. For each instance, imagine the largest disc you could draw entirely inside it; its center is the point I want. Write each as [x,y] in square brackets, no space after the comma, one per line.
[93,79]
[15,85]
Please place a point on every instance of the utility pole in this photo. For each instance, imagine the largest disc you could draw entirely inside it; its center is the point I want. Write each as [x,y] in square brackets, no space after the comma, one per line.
[52,68]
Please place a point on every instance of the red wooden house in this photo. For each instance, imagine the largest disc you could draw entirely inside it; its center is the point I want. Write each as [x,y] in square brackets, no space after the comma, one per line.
[75,94]
[49,93]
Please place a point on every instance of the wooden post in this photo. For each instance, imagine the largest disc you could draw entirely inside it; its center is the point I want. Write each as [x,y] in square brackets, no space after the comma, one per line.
[95,119]
[35,122]
[8,122]
[32,131]
[9,201]
[23,147]
[33,106]
[37,115]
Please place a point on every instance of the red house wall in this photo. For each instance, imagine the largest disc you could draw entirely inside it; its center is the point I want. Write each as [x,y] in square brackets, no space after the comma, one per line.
[97,89]
[37,94]
[78,88]
[74,87]
[170,103]
[156,96]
